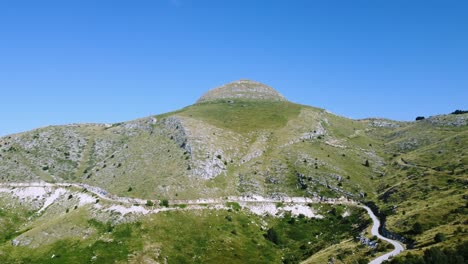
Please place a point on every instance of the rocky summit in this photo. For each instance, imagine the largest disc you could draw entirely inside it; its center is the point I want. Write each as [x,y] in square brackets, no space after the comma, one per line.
[242,89]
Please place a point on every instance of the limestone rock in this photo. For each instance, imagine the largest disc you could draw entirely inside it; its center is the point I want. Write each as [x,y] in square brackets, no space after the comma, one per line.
[242,89]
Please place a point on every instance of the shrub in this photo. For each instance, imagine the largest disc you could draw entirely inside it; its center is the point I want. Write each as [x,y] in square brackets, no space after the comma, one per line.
[129,189]
[436,255]
[149,203]
[420,118]
[417,228]
[272,236]
[459,112]
[363,261]
[234,205]
[439,237]
[164,202]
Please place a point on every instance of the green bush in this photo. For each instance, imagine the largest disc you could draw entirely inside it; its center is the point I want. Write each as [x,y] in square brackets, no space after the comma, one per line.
[459,112]
[234,205]
[164,203]
[272,235]
[439,237]
[417,228]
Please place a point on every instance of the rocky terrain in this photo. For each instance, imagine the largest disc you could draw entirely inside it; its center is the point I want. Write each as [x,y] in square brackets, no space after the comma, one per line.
[242,139]
[243,90]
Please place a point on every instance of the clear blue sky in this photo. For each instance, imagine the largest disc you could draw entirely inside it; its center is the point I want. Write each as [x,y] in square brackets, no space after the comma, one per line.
[114,60]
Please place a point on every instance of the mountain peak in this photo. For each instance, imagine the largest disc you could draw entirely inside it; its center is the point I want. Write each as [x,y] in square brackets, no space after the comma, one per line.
[242,89]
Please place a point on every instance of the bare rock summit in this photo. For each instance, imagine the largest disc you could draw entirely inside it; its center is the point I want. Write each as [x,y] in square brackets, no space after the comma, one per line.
[242,89]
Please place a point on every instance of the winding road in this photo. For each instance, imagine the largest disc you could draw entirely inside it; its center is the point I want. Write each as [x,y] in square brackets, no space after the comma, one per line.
[375,232]
[217,201]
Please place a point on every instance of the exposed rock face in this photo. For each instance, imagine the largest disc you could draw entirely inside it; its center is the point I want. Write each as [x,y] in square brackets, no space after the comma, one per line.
[383,123]
[242,89]
[448,120]
[178,132]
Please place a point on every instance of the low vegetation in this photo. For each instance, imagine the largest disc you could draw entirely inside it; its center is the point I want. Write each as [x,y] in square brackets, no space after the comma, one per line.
[197,237]
[436,255]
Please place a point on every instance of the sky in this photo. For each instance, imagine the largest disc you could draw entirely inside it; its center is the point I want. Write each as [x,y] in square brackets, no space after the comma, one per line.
[108,61]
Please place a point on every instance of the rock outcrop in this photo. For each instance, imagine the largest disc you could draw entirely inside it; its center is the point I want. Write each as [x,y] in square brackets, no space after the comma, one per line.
[242,89]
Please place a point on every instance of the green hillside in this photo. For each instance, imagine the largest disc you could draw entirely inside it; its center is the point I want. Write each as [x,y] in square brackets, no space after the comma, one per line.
[243,139]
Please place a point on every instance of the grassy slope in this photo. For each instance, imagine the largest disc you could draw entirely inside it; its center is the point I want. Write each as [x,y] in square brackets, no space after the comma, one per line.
[425,182]
[117,158]
[13,215]
[244,116]
[282,122]
[190,237]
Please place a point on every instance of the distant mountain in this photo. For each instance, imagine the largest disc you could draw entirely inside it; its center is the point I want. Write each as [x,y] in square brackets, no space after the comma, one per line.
[245,139]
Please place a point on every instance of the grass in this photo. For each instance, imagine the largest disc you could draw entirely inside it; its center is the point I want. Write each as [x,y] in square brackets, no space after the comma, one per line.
[207,236]
[244,116]
[425,182]
[347,251]
[12,219]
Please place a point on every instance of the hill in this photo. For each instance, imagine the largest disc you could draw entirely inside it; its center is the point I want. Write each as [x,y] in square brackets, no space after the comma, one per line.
[241,139]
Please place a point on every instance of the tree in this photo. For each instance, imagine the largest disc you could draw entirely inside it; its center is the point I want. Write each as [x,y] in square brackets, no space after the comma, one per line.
[439,237]
[417,228]
[459,112]
[367,163]
[363,261]
[420,118]
[272,236]
[434,255]
[164,202]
